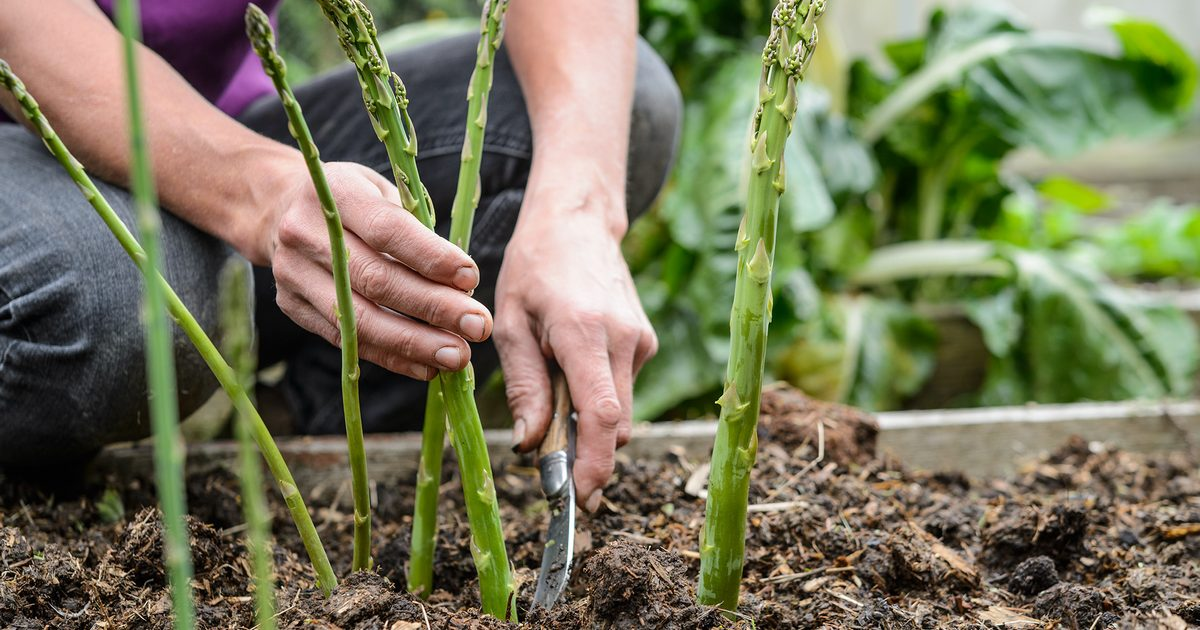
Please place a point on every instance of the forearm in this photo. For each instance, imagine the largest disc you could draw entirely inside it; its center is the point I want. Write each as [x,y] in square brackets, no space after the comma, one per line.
[576,64]
[210,170]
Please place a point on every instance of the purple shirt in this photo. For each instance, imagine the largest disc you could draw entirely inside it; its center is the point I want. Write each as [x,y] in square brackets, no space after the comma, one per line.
[205,41]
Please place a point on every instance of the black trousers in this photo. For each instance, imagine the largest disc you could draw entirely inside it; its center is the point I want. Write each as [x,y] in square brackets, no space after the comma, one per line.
[436,76]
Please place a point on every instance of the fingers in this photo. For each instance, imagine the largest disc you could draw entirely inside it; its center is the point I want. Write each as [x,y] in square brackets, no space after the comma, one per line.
[526,381]
[388,228]
[402,345]
[584,358]
[395,286]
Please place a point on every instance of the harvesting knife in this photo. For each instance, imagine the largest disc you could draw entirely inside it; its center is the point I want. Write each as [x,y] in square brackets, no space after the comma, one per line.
[556,458]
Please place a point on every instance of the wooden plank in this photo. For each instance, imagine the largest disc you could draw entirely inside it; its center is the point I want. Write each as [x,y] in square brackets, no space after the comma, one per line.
[996,440]
[980,442]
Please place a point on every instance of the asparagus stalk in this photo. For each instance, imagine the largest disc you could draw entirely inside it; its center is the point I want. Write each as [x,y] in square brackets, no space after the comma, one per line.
[160,355]
[186,321]
[258,28]
[788,50]
[487,535]
[385,98]
[462,217]
[386,102]
[429,479]
[238,333]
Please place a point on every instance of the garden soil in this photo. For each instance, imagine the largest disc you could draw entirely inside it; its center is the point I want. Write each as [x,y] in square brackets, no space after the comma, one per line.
[1087,537]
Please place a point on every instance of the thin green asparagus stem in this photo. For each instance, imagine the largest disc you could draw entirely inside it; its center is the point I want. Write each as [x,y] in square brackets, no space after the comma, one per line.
[258,28]
[429,478]
[466,200]
[386,101]
[238,344]
[385,98]
[466,195]
[722,550]
[160,355]
[187,322]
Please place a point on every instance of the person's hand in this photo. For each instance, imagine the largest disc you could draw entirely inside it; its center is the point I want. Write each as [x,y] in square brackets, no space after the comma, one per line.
[565,293]
[410,285]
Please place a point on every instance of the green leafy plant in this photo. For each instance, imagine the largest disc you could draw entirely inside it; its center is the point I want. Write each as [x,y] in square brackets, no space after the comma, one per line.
[224,374]
[722,549]
[918,157]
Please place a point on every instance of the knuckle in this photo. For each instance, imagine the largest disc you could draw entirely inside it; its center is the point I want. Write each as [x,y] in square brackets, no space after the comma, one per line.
[608,414]
[381,227]
[291,229]
[372,278]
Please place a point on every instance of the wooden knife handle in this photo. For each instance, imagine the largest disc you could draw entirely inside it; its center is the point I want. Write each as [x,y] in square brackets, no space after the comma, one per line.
[556,433]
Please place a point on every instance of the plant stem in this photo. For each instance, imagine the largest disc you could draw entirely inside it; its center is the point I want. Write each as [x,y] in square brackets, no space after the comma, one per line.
[385,98]
[258,28]
[187,322]
[429,478]
[723,541]
[160,355]
[238,334]
[491,559]
[386,101]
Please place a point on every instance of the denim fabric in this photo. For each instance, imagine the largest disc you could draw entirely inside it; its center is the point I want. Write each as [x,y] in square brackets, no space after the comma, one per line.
[71,363]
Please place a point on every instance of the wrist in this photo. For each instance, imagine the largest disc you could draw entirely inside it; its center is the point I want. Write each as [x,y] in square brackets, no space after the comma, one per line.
[255,214]
[577,188]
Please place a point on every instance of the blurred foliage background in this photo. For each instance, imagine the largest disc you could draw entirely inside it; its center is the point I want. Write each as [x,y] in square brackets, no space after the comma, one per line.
[904,234]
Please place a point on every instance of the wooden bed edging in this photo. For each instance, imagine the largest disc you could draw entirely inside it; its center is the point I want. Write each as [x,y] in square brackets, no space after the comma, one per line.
[981,442]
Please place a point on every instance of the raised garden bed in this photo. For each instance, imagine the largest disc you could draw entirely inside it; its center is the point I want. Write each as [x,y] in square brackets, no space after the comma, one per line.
[1086,537]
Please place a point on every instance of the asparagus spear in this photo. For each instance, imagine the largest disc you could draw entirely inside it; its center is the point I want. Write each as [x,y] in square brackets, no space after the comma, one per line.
[385,98]
[788,50]
[429,479]
[466,199]
[258,28]
[386,102]
[160,355]
[238,333]
[186,321]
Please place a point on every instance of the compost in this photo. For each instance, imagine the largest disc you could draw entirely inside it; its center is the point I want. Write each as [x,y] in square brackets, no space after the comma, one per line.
[1087,537]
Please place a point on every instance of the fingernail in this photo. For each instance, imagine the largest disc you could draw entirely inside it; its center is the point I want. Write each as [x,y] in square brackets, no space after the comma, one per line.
[449,357]
[472,326]
[466,278]
[593,502]
[518,435]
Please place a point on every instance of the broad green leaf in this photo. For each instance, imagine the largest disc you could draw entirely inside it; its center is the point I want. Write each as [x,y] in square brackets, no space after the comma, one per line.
[1046,89]
[1074,193]
[999,319]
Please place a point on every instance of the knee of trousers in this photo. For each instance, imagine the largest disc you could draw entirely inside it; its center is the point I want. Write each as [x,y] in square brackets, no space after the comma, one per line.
[72,362]
[655,127]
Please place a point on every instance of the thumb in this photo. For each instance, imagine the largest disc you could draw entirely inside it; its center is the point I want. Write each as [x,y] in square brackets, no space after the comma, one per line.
[526,382]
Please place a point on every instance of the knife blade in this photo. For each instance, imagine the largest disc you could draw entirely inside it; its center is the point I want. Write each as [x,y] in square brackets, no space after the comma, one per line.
[556,458]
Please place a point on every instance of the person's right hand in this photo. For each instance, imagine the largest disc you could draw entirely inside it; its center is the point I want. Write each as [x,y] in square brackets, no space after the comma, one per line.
[411,286]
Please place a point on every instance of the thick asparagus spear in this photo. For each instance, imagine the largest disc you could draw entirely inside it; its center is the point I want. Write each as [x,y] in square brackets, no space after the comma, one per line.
[160,354]
[788,50]
[237,332]
[187,322]
[466,199]
[258,28]
[386,101]
[385,98]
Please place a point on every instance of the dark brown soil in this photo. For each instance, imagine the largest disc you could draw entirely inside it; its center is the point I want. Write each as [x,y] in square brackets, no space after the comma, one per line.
[1087,538]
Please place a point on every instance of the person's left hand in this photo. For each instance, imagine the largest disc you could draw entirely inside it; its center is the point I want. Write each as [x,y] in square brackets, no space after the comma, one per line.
[565,294]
